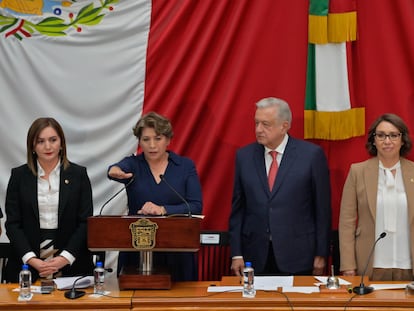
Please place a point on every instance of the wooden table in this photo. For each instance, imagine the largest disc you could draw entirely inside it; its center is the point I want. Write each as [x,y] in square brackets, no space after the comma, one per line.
[192,296]
[119,300]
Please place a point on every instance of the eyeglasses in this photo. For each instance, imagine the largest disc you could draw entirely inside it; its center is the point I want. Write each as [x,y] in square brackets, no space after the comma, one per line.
[391,136]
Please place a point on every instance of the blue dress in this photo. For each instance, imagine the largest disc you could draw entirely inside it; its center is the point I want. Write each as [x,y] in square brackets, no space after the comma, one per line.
[181,175]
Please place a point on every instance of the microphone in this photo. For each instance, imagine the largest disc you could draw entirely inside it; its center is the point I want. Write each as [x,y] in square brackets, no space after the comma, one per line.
[179,195]
[114,196]
[73,293]
[362,289]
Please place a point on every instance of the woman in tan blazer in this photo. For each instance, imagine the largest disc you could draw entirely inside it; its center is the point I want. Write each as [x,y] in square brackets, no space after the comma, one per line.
[378,196]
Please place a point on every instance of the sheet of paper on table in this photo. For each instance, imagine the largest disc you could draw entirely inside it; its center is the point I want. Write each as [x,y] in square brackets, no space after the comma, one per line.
[260,283]
[67,282]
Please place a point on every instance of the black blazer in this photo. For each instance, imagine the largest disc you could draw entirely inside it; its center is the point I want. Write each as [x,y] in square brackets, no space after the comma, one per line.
[22,223]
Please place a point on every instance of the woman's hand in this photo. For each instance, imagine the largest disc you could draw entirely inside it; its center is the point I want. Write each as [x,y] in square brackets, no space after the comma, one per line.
[49,267]
[349,273]
[150,208]
[58,262]
[116,172]
[42,267]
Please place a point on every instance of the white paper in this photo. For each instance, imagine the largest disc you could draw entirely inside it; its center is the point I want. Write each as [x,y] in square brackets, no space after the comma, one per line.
[34,289]
[25,299]
[272,282]
[67,282]
[99,295]
[301,289]
[268,283]
[221,289]
[389,286]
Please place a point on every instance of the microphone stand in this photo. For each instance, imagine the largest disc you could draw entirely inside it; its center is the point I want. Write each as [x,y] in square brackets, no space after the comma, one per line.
[179,195]
[362,289]
[118,192]
[73,293]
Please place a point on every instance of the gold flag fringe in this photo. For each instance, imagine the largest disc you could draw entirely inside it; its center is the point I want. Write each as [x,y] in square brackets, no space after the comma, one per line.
[334,125]
[318,29]
[342,27]
[334,28]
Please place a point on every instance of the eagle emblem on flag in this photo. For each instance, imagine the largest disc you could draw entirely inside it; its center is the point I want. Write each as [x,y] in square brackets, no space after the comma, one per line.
[24,19]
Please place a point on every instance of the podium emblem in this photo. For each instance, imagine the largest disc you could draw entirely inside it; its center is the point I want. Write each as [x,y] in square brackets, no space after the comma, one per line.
[143,233]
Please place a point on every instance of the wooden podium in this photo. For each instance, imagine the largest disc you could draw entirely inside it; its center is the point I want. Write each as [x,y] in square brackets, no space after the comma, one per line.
[145,235]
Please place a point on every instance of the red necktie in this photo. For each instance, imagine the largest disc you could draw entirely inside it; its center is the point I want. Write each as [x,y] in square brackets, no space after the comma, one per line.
[273,170]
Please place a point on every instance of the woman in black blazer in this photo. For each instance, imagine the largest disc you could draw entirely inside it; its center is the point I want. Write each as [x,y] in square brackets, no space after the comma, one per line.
[48,201]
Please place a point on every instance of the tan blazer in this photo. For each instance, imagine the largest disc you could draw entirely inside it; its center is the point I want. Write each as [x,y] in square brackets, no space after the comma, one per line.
[358,211]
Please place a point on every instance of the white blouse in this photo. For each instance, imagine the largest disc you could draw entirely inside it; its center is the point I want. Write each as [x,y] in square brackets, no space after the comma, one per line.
[48,197]
[393,251]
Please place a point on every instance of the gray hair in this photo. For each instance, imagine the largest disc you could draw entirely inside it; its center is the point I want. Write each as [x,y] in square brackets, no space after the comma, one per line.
[283,111]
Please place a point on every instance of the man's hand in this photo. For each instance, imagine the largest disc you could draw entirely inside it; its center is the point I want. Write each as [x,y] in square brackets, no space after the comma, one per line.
[319,264]
[237,266]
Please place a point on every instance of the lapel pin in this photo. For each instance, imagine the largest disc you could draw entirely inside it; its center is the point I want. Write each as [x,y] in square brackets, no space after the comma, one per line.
[67,181]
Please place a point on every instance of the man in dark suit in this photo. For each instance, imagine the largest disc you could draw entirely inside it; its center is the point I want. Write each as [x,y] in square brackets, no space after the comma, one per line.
[283,228]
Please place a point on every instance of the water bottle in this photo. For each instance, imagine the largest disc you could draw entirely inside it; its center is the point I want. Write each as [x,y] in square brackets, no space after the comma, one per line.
[25,280]
[99,278]
[248,281]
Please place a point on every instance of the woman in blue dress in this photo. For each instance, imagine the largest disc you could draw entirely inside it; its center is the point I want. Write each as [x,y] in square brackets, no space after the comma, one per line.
[153,174]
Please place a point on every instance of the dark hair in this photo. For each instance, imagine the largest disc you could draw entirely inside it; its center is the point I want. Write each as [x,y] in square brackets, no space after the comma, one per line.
[160,124]
[37,126]
[399,124]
